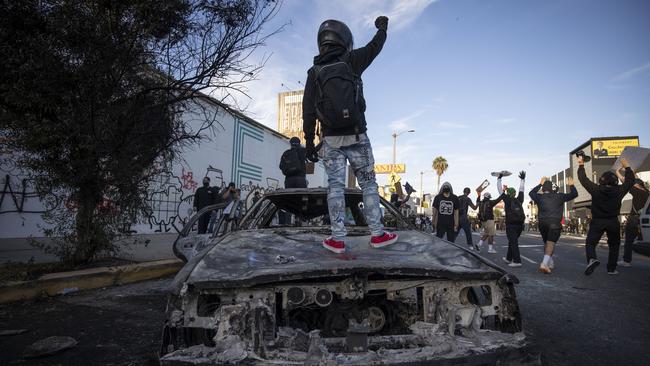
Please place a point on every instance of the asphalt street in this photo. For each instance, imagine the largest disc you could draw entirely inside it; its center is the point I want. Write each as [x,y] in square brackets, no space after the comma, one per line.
[574,319]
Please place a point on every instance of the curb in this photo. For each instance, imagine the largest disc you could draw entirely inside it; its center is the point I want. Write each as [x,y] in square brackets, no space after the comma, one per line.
[67,282]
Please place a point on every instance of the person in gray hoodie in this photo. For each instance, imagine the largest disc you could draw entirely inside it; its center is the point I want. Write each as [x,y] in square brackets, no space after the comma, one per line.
[445,212]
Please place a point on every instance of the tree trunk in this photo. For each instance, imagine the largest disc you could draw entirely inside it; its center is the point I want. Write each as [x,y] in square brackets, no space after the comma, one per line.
[87,229]
[438,188]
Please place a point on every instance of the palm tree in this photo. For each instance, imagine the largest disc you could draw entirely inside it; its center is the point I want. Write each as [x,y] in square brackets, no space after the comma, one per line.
[440,166]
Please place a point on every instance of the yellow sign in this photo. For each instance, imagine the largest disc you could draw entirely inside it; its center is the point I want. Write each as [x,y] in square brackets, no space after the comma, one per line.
[611,148]
[390,168]
[394,178]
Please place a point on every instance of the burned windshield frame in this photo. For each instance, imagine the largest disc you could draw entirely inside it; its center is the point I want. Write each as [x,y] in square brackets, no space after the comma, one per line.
[261,214]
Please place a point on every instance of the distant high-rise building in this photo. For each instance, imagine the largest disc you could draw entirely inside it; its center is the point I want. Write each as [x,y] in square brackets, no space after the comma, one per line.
[290,114]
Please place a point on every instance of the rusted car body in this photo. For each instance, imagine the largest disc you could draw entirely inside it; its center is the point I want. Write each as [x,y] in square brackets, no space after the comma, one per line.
[268,293]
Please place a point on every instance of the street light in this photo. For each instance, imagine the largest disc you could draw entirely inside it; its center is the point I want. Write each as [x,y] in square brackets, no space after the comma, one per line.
[395,134]
[421,186]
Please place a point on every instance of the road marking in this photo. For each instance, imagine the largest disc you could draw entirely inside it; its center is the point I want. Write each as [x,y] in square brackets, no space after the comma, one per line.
[528,259]
[531,246]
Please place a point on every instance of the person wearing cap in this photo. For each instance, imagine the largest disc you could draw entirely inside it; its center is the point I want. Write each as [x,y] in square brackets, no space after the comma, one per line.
[334,95]
[486,216]
[551,207]
[293,165]
[606,199]
[640,194]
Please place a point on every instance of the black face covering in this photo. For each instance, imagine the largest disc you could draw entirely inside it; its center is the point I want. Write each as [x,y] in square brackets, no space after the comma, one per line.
[206,183]
[445,190]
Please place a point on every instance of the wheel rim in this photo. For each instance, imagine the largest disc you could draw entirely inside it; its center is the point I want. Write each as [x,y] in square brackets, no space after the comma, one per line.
[376,319]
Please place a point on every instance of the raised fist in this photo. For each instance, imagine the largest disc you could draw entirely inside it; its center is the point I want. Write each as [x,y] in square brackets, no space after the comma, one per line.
[382,23]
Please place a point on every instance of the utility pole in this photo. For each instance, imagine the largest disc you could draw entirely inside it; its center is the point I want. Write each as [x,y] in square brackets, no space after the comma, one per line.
[395,134]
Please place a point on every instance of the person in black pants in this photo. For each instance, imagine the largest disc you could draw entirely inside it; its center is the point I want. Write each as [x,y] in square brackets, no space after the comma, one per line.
[606,197]
[515,218]
[464,203]
[550,203]
[204,196]
[640,195]
[445,213]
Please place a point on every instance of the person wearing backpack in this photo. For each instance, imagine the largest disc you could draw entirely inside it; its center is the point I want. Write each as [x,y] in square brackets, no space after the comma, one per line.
[334,95]
[486,216]
[515,218]
[292,164]
[550,205]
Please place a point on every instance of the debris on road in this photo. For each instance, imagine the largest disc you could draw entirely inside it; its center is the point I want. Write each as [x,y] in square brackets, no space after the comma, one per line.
[11,332]
[49,346]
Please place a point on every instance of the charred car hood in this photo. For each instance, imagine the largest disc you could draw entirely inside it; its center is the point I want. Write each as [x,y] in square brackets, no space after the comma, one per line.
[249,258]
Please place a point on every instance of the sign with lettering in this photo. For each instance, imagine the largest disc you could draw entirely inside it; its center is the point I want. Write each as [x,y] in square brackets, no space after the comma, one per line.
[390,168]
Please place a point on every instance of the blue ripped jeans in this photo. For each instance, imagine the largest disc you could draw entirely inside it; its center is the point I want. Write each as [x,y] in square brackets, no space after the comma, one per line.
[363,164]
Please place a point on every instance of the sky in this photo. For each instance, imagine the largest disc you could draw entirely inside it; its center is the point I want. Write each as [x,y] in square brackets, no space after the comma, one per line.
[488,84]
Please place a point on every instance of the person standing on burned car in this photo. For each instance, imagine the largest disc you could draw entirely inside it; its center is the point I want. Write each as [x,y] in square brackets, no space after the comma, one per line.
[551,207]
[334,95]
[640,195]
[445,213]
[606,197]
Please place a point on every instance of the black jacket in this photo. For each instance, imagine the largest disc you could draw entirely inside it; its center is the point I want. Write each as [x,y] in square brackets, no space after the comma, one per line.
[302,159]
[508,203]
[359,59]
[464,202]
[204,197]
[606,200]
[551,205]
[486,208]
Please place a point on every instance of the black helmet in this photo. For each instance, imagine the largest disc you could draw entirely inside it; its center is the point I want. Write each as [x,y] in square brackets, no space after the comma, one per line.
[608,179]
[335,32]
[294,141]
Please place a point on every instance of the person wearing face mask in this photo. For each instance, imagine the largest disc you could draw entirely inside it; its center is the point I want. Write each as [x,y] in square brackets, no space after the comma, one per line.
[334,95]
[551,207]
[464,203]
[640,195]
[515,218]
[606,197]
[445,213]
[204,196]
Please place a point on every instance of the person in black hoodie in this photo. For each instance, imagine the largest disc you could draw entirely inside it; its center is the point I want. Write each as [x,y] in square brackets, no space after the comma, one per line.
[204,196]
[292,165]
[464,203]
[606,197]
[640,195]
[550,205]
[515,218]
[445,213]
[334,95]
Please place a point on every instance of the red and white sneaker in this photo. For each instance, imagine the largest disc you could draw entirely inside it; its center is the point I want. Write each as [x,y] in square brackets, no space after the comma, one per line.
[383,240]
[334,245]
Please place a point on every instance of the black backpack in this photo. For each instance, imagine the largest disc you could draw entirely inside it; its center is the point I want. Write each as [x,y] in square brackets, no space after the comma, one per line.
[339,101]
[516,213]
[290,163]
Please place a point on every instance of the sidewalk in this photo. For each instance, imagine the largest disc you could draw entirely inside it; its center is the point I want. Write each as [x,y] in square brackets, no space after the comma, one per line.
[140,248]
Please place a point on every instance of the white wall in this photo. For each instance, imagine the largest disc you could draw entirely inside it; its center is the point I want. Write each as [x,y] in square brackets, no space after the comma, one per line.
[240,150]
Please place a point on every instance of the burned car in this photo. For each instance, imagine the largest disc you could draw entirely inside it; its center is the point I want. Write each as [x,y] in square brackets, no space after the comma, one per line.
[268,293]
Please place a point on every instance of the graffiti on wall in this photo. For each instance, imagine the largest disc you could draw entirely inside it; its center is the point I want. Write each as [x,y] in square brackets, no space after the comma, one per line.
[18,194]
